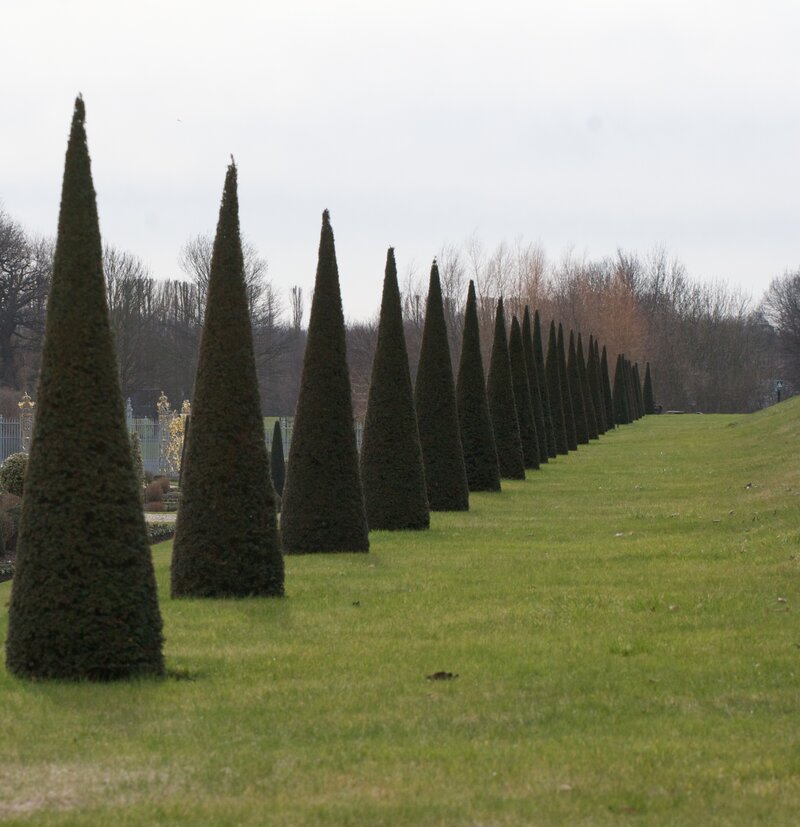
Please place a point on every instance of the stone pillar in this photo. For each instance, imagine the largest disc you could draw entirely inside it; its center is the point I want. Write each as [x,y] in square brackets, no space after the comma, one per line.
[26,406]
[164,417]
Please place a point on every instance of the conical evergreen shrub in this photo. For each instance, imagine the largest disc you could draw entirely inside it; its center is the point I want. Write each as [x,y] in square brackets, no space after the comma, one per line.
[556,396]
[538,355]
[83,601]
[647,392]
[435,398]
[391,456]
[475,424]
[277,462]
[522,397]
[588,401]
[566,393]
[323,504]
[576,391]
[226,535]
[638,388]
[621,412]
[533,385]
[595,387]
[608,399]
[502,407]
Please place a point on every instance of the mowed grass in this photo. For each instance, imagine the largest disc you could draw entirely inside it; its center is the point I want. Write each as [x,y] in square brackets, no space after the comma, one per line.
[624,626]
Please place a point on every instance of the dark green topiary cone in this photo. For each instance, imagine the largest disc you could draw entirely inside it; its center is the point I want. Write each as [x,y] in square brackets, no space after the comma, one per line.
[534,386]
[277,462]
[475,424]
[435,398]
[83,602]
[538,355]
[391,457]
[595,386]
[638,388]
[502,407]
[522,397]
[226,536]
[588,402]
[576,393]
[647,393]
[608,399]
[323,504]
[566,392]
[554,390]
[621,413]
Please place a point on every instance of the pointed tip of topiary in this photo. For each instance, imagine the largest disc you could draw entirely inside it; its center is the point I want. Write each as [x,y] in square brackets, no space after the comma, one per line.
[80,109]
[326,218]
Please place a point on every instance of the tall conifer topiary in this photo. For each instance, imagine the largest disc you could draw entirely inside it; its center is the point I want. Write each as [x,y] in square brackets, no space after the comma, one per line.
[277,462]
[639,395]
[83,601]
[538,355]
[554,389]
[576,391]
[566,392]
[522,397]
[596,387]
[475,424]
[391,456]
[647,392]
[534,385]
[226,535]
[608,399]
[323,504]
[435,398]
[502,407]
[588,401]
[621,412]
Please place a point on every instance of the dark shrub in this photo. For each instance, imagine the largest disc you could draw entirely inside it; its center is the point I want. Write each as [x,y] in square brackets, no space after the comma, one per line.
[12,474]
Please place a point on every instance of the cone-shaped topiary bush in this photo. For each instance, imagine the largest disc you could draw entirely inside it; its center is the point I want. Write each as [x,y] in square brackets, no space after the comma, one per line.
[538,355]
[621,412]
[588,401]
[554,389]
[435,398]
[226,535]
[277,462]
[608,399]
[391,457]
[534,385]
[639,394]
[596,387]
[323,504]
[502,407]
[475,424]
[83,603]
[566,392]
[522,397]
[576,392]
[647,392]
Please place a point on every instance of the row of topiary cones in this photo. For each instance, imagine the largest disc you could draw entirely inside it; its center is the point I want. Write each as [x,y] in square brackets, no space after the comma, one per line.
[84,603]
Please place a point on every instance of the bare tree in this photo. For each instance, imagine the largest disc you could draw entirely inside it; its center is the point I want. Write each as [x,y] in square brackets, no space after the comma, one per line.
[781,309]
[25,269]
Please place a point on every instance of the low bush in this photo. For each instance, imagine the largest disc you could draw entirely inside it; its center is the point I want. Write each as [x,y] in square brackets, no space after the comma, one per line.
[12,473]
[158,532]
[155,491]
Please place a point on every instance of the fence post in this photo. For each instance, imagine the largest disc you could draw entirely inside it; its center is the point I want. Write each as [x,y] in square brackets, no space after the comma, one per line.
[26,406]
[129,415]
[164,416]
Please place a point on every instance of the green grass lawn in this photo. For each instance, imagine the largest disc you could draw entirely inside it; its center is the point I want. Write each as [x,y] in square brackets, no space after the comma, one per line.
[624,626]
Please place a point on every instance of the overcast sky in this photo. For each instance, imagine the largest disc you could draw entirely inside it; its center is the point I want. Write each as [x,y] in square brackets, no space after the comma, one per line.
[590,124]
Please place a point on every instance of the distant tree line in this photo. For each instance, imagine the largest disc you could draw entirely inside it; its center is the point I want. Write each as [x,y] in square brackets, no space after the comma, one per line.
[709,346]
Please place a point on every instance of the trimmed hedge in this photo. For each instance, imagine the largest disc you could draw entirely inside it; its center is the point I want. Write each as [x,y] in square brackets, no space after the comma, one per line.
[323,502]
[502,406]
[83,601]
[475,424]
[522,397]
[534,386]
[391,456]
[226,537]
[435,398]
[547,411]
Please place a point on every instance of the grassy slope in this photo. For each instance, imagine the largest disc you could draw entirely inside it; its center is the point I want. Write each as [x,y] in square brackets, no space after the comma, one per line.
[614,621]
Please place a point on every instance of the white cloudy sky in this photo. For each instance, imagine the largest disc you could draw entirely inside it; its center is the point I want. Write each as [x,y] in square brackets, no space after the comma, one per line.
[591,124]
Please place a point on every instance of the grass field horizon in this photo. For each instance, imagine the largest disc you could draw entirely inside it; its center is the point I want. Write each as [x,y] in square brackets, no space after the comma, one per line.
[622,624]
